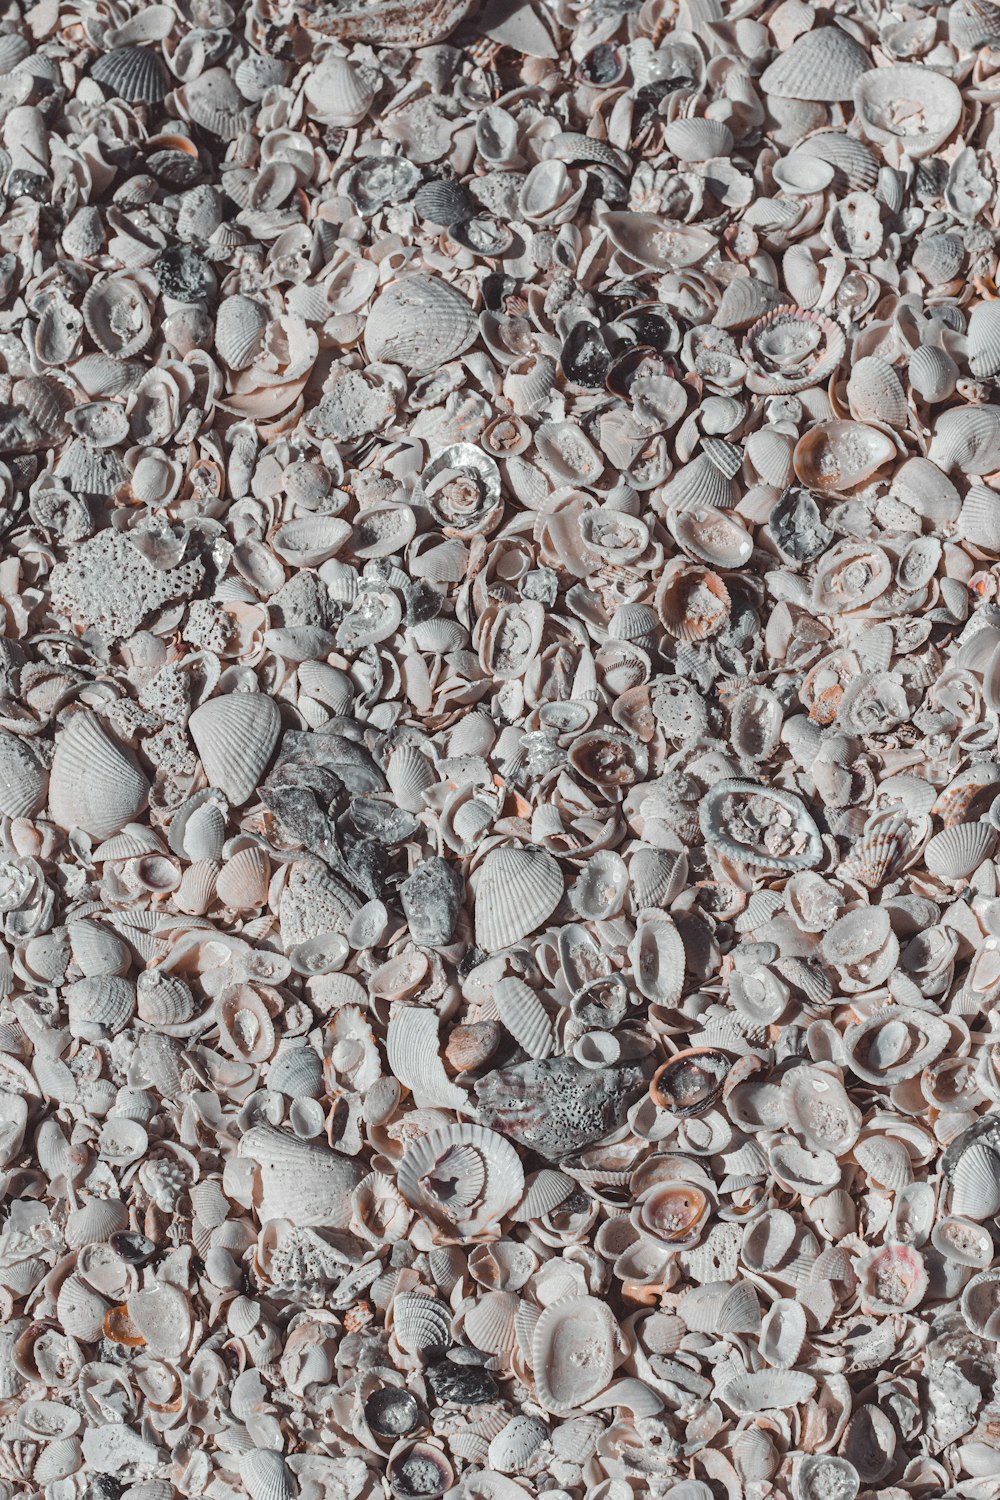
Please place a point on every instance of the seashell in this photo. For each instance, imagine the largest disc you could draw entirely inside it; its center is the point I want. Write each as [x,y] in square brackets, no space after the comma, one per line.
[967,438]
[23,780]
[712,537]
[875,393]
[981,1304]
[825,64]
[693,602]
[886,1162]
[419,322]
[907,105]
[893,1279]
[957,852]
[421,1324]
[761,826]
[983,340]
[783,1333]
[894,1043]
[524,1016]
[963,1241]
[691,1082]
[573,1353]
[766,1390]
[239,330]
[461,489]
[975,1183]
[699,140]
[266,1475]
[834,457]
[672,1213]
[95,782]
[463,1177]
[658,959]
[339,92]
[300,1180]
[790,349]
[133,73]
[823,1474]
[422,1469]
[932,373]
[117,317]
[235,735]
[939,257]
[242,881]
[516,890]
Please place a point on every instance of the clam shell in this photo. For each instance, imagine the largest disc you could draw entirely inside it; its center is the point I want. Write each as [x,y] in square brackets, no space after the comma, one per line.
[698,140]
[825,64]
[117,317]
[983,339]
[236,735]
[96,782]
[573,1353]
[133,73]
[894,1043]
[419,322]
[875,393]
[834,457]
[300,1180]
[790,349]
[787,840]
[516,890]
[967,438]
[524,1016]
[783,1333]
[909,105]
[23,780]
[239,330]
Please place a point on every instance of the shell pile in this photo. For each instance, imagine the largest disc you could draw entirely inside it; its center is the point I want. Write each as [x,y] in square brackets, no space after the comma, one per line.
[499,750]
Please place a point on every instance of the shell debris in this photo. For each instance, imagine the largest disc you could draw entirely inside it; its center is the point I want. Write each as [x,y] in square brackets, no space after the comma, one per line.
[499,750]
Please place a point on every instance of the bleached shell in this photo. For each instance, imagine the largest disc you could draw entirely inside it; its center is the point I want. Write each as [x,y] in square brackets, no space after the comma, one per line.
[981,1304]
[243,880]
[239,330]
[80,1309]
[421,1324]
[23,779]
[658,243]
[967,438]
[939,257]
[698,484]
[824,1476]
[235,735]
[99,1007]
[517,889]
[975,1183]
[95,1221]
[855,164]
[419,322]
[300,1180]
[503,1176]
[717,1307]
[490,1322]
[695,140]
[886,1162]
[875,392]
[657,956]
[713,537]
[573,1353]
[790,350]
[266,1475]
[909,104]
[657,876]
[95,782]
[834,457]
[513,1447]
[600,887]
[983,339]
[799,844]
[824,64]
[767,1240]
[692,601]
[339,92]
[524,1016]
[893,1278]
[932,373]
[820,1110]
[766,1390]
[545,1191]
[783,1333]
[894,1043]
[963,1241]
[955,853]
[117,317]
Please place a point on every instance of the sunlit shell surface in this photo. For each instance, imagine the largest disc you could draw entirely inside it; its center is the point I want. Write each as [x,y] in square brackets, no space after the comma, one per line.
[499,750]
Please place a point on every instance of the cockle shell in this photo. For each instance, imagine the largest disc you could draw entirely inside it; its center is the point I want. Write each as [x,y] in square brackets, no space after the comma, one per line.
[95,783]
[235,735]
[419,322]
[790,349]
[823,64]
[463,1177]
[834,457]
[299,1180]
[133,73]
[524,1016]
[517,889]
[912,105]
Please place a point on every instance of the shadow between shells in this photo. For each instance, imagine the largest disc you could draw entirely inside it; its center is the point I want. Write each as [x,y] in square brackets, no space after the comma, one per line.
[499,774]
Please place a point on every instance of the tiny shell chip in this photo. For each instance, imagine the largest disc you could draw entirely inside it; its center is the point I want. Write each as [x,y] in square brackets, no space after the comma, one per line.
[419,322]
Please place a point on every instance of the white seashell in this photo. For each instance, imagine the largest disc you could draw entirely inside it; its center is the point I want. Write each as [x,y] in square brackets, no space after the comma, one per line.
[885,1161]
[909,105]
[23,780]
[957,852]
[95,783]
[963,1241]
[524,1016]
[795,843]
[967,438]
[698,140]
[421,1324]
[766,1390]
[783,1333]
[419,322]
[517,888]
[932,373]
[573,1353]
[266,1475]
[875,393]
[235,736]
[975,1183]
[300,1180]
[339,92]
[239,330]
[463,1177]
[824,64]
[658,959]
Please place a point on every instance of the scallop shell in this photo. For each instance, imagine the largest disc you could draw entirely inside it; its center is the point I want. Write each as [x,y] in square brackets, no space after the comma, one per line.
[932,373]
[117,317]
[517,890]
[573,1353]
[23,780]
[463,1177]
[236,735]
[983,339]
[693,602]
[419,322]
[421,1324]
[95,783]
[266,1475]
[875,393]
[967,438]
[339,92]
[957,852]
[300,1180]
[975,1183]
[699,140]
[825,64]
[240,323]
[133,73]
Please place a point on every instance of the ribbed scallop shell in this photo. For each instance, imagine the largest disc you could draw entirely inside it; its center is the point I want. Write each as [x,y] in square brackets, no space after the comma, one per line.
[966,438]
[885,1161]
[544,1192]
[975,1183]
[239,328]
[133,73]
[300,1180]
[979,522]
[875,393]
[489,1322]
[23,780]
[443,1157]
[235,735]
[803,847]
[693,602]
[956,852]
[243,880]
[657,876]
[696,140]
[266,1475]
[855,164]
[214,102]
[421,1324]
[525,1017]
[95,783]
[339,92]
[697,484]
[410,774]
[878,852]
[939,257]
[517,889]
[790,350]
[823,65]
[932,373]
[164,999]
[419,322]
[983,340]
